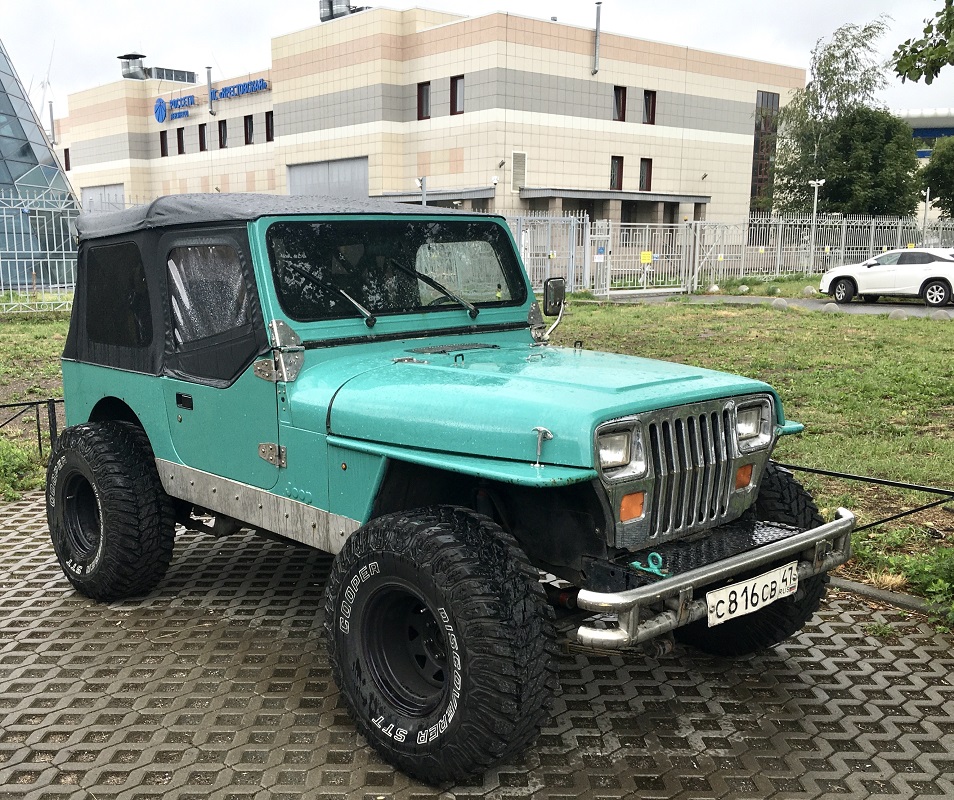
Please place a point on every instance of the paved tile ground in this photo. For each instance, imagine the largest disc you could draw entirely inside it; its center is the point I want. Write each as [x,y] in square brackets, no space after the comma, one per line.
[217,686]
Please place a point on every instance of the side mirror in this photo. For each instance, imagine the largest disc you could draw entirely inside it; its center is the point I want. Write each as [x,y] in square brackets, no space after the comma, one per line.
[554,295]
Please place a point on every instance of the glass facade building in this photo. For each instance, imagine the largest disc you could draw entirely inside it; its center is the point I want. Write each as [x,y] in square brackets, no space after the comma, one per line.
[28,168]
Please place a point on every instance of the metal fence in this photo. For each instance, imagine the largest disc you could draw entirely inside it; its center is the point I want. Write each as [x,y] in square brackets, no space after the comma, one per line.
[21,417]
[37,252]
[613,257]
[38,256]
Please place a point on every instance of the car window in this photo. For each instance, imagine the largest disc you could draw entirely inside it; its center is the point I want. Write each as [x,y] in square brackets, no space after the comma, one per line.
[207,292]
[321,269]
[915,258]
[889,258]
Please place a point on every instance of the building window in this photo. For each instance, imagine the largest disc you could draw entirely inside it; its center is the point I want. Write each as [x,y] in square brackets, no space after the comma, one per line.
[424,100]
[249,129]
[269,126]
[66,160]
[180,140]
[763,151]
[457,94]
[203,141]
[163,143]
[619,103]
[645,174]
[649,107]
[223,133]
[616,172]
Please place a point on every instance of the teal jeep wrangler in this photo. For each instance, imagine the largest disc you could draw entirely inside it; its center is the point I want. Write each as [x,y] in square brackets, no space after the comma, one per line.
[375,381]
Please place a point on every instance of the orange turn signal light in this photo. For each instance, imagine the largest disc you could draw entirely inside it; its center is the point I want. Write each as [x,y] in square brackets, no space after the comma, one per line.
[632,506]
[743,476]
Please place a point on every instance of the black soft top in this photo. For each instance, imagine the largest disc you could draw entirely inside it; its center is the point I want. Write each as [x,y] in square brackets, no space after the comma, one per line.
[191,209]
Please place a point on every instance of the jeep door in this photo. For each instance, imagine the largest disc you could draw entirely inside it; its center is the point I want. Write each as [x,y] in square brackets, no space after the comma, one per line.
[220,413]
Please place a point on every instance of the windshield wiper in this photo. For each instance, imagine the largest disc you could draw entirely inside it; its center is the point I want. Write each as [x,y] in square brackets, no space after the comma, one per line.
[472,310]
[369,318]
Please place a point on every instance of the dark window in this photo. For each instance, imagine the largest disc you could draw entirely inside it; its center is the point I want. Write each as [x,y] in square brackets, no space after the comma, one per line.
[163,143]
[269,126]
[616,172]
[203,142]
[649,107]
[223,133]
[915,258]
[315,264]
[207,292]
[249,129]
[180,140]
[424,101]
[116,284]
[457,95]
[66,159]
[645,174]
[763,151]
[619,103]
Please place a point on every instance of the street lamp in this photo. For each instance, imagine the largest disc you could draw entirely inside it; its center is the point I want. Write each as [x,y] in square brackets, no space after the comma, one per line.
[422,185]
[816,185]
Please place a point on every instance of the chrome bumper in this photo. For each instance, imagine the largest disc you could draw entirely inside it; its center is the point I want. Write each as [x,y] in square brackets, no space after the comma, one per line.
[818,550]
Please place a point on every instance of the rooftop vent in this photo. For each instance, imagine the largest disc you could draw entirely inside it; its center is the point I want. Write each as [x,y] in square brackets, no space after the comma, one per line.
[332,9]
[133,69]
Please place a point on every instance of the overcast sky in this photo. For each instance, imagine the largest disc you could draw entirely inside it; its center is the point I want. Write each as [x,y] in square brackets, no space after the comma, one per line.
[76,43]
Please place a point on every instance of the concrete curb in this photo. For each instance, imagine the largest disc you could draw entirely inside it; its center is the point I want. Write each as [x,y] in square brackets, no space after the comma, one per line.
[898,599]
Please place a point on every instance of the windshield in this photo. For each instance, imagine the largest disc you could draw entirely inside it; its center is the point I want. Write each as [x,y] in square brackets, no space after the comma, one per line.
[390,266]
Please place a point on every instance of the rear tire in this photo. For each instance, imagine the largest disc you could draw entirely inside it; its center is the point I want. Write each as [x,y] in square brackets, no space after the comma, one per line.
[870,298]
[936,294]
[843,291]
[441,641]
[781,499]
[110,521]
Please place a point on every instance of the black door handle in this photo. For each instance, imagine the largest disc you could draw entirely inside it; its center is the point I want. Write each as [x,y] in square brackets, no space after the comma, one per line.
[184,400]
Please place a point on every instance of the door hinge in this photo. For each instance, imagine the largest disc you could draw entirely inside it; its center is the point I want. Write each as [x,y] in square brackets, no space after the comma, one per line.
[265,369]
[273,454]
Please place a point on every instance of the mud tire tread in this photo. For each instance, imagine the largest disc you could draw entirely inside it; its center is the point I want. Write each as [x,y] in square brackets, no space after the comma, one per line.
[503,618]
[137,522]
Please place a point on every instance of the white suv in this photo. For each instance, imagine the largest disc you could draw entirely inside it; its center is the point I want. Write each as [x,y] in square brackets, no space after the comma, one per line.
[927,273]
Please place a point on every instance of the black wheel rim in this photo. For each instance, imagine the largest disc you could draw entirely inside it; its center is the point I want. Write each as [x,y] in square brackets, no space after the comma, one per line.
[82,518]
[405,648]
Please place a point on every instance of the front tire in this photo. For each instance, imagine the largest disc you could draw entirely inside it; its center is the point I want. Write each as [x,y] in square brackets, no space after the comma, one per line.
[441,641]
[843,291]
[937,294]
[110,521]
[781,499]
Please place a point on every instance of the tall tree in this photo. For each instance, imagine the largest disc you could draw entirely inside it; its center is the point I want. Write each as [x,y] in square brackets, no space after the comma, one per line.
[938,175]
[926,57]
[845,73]
[871,165]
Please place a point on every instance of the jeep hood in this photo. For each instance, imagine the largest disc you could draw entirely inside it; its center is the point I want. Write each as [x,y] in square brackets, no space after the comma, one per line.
[488,401]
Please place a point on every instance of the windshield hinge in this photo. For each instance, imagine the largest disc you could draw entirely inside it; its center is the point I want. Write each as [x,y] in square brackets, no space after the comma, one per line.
[273,454]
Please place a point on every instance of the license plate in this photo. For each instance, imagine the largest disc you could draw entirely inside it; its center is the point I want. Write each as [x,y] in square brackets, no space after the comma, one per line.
[744,597]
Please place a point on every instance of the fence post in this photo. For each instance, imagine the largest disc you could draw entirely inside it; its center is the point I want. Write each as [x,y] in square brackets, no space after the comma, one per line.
[778,248]
[51,418]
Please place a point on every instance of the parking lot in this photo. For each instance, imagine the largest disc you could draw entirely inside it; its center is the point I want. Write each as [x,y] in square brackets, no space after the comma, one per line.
[217,686]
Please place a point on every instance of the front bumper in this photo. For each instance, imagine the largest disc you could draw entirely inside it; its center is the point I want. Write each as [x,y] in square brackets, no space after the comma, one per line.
[818,550]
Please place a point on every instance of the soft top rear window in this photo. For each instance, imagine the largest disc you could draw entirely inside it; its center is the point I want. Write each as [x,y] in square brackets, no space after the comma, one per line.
[324,270]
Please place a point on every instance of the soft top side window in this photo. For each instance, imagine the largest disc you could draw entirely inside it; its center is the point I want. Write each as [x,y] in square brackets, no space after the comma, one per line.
[116,284]
[207,292]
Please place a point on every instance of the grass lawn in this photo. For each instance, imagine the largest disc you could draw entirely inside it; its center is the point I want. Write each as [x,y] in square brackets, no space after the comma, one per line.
[30,348]
[876,397]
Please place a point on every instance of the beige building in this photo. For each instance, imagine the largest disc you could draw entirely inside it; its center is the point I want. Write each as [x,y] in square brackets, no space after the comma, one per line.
[499,112]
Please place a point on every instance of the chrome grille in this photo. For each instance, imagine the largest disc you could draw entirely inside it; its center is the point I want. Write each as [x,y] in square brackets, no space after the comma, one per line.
[691,457]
